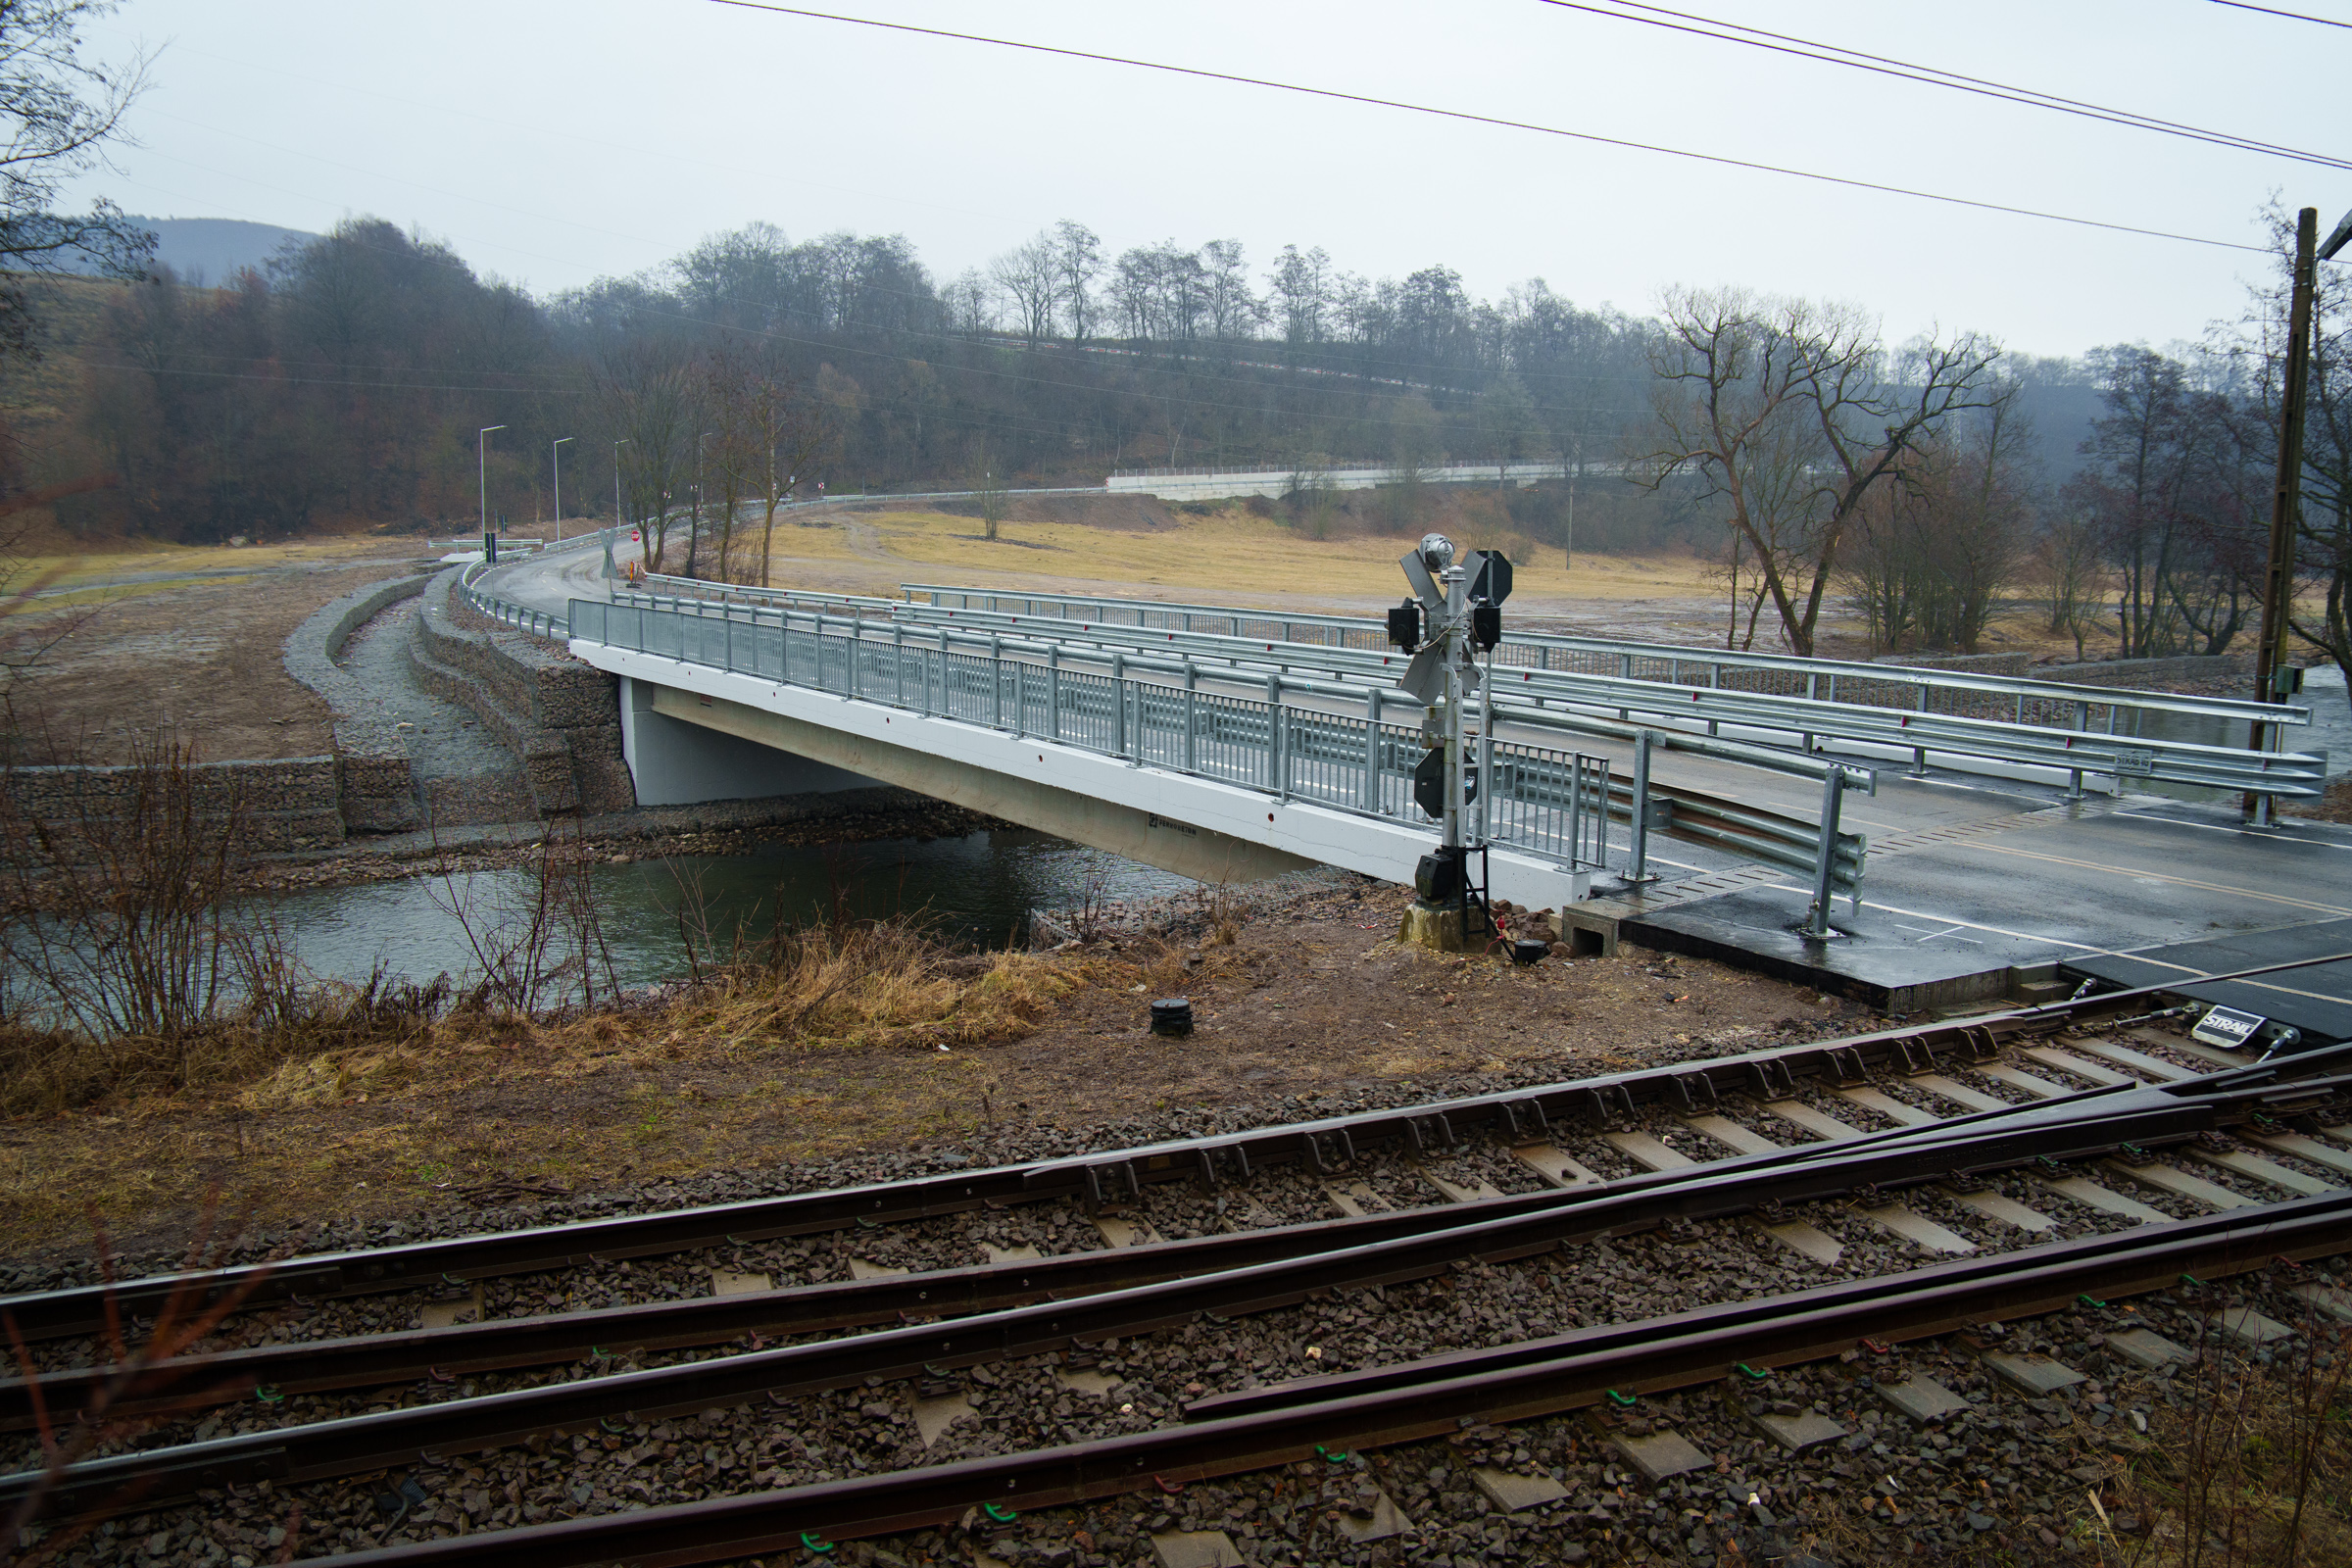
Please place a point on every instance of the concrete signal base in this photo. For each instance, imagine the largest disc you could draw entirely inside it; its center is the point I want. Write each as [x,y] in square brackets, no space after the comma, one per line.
[1442,927]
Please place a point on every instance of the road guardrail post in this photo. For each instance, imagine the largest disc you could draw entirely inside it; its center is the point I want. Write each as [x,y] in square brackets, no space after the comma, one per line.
[1637,868]
[2074,779]
[1824,860]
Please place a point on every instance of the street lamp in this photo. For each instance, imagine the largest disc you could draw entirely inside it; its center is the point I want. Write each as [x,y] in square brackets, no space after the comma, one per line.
[482,464]
[694,533]
[613,532]
[558,450]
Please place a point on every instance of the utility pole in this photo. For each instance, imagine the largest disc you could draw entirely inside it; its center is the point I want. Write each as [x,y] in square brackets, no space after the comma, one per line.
[2278,577]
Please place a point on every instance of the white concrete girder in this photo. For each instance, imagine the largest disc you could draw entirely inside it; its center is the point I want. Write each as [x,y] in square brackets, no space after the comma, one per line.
[1141,813]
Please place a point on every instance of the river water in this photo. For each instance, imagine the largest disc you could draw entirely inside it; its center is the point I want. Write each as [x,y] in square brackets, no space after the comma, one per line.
[980,890]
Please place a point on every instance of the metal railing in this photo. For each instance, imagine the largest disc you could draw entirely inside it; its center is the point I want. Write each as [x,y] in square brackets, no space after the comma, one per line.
[523,617]
[2027,700]
[1919,711]
[1548,803]
[1196,658]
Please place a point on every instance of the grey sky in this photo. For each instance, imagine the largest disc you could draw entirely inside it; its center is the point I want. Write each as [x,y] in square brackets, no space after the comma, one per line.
[555,143]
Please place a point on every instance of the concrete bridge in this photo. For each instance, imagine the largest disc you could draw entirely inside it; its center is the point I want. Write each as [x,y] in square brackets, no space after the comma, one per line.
[2014,825]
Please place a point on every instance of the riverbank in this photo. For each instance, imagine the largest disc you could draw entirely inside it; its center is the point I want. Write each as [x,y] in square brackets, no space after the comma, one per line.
[724,827]
[694,1094]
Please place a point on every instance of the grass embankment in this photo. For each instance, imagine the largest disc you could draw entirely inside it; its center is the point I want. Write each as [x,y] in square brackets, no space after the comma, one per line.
[826,1039]
[1226,556]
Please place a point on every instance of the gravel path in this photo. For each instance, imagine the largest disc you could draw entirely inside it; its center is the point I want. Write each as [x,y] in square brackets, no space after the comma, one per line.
[448,742]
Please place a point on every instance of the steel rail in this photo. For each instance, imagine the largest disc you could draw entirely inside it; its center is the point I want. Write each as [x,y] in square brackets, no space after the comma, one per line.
[1097,1177]
[372,1361]
[1679,1350]
[2090,1125]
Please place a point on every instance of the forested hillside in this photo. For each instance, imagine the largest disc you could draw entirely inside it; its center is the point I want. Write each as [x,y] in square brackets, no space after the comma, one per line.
[1921,485]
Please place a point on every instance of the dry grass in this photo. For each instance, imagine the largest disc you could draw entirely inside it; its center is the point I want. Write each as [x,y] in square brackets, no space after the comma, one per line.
[840,1038]
[2252,1469]
[1227,556]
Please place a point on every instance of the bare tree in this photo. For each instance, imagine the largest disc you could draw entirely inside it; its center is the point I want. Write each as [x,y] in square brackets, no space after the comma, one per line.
[1077,264]
[644,389]
[1738,375]
[988,478]
[1233,310]
[2069,564]
[1300,292]
[1030,274]
[1933,552]
[61,114]
[970,303]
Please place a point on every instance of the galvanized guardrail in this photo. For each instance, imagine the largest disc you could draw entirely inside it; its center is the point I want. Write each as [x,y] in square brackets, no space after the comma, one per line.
[2027,700]
[1808,720]
[1548,803]
[523,617]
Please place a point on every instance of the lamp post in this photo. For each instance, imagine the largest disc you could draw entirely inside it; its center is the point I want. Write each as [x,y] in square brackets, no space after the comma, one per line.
[482,466]
[694,531]
[558,449]
[616,516]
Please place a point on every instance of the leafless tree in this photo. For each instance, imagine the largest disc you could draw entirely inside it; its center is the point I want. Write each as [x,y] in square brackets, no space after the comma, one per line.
[643,386]
[1233,310]
[988,478]
[2071,566]
[1741,375]
[62,113]
[1030,274]
[1077,264]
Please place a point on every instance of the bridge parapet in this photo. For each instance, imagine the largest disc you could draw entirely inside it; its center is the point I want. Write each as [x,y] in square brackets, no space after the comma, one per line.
[1279,736]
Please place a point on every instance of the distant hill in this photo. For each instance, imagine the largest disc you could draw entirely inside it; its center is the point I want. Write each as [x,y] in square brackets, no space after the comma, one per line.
[213,250]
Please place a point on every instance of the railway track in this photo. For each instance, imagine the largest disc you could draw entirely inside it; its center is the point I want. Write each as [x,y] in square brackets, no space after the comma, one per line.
[2000,1133]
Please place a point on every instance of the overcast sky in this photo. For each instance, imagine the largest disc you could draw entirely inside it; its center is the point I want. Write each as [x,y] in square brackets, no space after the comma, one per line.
[556,143]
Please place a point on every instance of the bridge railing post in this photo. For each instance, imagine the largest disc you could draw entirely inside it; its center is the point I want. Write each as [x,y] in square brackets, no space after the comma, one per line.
[1118,702]
[1278,772]
[1053,690]
[1192,727]
[1371,796]
[996,681]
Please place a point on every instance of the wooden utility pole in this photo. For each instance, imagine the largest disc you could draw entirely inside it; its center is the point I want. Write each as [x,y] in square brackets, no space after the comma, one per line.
[2278,578]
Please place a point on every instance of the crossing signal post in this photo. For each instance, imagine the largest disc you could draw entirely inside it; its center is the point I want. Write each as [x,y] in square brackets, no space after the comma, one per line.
[1455,613]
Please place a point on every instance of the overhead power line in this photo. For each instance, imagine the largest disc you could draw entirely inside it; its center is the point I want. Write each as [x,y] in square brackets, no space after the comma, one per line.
[1466,117]
[1781,44]
[2274,11]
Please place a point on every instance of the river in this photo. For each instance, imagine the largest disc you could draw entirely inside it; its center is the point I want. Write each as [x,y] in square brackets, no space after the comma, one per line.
[980,890]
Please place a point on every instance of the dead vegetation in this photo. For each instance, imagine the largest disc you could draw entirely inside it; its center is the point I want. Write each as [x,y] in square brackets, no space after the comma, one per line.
[130,968]
[2249,1467]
